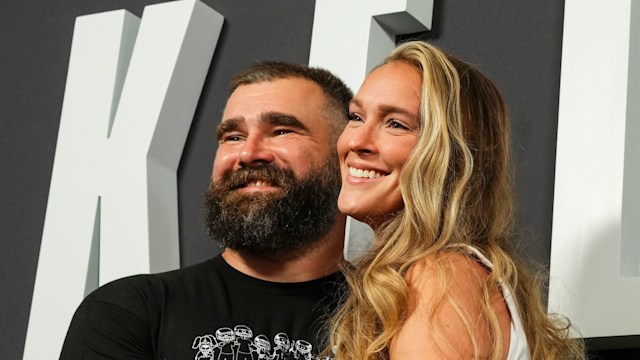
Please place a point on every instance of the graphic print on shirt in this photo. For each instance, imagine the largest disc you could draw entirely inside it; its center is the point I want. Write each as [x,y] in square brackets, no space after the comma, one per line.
[243,340]
[240,344]
[282,347]
[226,339]
[205,345]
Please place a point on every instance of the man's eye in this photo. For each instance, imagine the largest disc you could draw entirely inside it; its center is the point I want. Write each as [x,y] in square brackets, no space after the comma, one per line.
[354,117]
[282,132]
[231,138]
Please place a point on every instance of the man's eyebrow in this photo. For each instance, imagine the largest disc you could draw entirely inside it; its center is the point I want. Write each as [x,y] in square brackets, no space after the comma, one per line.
[270,118]
[281,119]
[228,125]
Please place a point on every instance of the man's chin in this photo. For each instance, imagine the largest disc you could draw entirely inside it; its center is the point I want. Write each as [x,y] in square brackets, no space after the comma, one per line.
[274,224]
[271,254]
[242,197]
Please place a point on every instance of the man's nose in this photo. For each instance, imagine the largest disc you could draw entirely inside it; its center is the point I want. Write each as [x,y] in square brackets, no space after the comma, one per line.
[255,152]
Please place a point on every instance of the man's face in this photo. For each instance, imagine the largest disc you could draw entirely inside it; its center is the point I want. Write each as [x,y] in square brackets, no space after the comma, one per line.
[278,122]
[275,178]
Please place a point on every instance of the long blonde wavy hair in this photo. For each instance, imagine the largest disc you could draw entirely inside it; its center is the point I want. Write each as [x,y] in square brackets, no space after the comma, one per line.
[456,187]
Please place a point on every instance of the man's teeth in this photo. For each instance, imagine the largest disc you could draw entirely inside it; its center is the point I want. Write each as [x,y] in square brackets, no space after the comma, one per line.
[359,173]
[258,183]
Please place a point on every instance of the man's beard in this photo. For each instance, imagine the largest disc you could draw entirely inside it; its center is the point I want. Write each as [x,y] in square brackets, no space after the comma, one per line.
[273,223]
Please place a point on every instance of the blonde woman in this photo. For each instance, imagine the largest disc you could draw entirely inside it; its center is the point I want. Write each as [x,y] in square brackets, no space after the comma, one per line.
[425,161]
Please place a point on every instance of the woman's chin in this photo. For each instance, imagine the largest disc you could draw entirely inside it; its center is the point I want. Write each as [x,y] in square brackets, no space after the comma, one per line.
[360,218]
[355,213]
[372,220]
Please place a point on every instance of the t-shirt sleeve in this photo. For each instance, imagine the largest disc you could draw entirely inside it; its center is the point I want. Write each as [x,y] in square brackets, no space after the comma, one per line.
[111,323]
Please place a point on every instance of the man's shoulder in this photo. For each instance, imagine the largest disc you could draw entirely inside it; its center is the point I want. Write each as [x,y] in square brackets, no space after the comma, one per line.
[149,286]
[126,316]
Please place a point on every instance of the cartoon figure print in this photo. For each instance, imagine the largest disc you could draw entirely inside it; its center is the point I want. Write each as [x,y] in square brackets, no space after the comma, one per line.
[262,346]
[226,338]
[205,345]
[282,346]
[243,342]
[239,344]
[302,350]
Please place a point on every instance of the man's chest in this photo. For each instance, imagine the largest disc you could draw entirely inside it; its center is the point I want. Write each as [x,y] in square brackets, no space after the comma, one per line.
[239,326]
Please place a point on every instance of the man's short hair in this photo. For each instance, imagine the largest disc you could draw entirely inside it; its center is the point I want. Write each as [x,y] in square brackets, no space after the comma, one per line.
[337,94]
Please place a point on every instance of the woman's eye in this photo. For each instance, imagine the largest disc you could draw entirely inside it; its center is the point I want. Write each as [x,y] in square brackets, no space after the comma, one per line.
[354,117]
[395,124]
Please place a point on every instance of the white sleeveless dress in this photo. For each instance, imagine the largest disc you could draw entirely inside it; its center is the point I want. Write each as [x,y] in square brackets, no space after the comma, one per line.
[518,347]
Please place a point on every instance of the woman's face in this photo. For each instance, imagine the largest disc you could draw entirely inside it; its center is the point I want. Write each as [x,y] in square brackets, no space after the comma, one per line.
[382,131]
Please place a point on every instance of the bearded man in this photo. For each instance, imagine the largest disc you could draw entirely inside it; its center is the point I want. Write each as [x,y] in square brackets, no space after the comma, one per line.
[272,205]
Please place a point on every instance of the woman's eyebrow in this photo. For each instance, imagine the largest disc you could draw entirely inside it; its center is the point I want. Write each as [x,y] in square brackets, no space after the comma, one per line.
[387,109]
[390,109]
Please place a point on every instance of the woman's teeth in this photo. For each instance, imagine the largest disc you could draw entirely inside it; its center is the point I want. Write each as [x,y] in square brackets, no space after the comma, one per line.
[359,173]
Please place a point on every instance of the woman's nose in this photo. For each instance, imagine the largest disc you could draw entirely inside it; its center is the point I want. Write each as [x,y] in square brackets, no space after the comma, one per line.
[362,139]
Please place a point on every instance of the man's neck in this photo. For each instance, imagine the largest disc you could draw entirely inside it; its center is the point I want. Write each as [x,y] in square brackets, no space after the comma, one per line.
[319,260]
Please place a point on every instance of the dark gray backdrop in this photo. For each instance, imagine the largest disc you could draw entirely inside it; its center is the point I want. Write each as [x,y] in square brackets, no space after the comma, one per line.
[516,42]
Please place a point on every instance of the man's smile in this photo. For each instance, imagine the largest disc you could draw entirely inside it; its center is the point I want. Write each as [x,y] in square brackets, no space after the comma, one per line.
[258,185]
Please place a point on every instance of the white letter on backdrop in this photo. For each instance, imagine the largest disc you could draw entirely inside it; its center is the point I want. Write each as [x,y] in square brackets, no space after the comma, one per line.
[132,89]
[595,248]
[350,38]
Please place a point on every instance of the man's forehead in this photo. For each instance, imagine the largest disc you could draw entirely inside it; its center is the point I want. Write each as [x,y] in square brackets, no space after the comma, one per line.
[297,101]
[284,91]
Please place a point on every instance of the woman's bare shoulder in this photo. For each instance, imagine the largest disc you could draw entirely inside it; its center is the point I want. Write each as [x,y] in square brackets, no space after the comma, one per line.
[430,309]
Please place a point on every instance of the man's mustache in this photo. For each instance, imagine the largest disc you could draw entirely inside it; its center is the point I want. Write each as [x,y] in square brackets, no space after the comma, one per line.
[271,174]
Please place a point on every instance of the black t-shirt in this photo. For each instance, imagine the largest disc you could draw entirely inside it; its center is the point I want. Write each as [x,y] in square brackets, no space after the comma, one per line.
[206,311]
